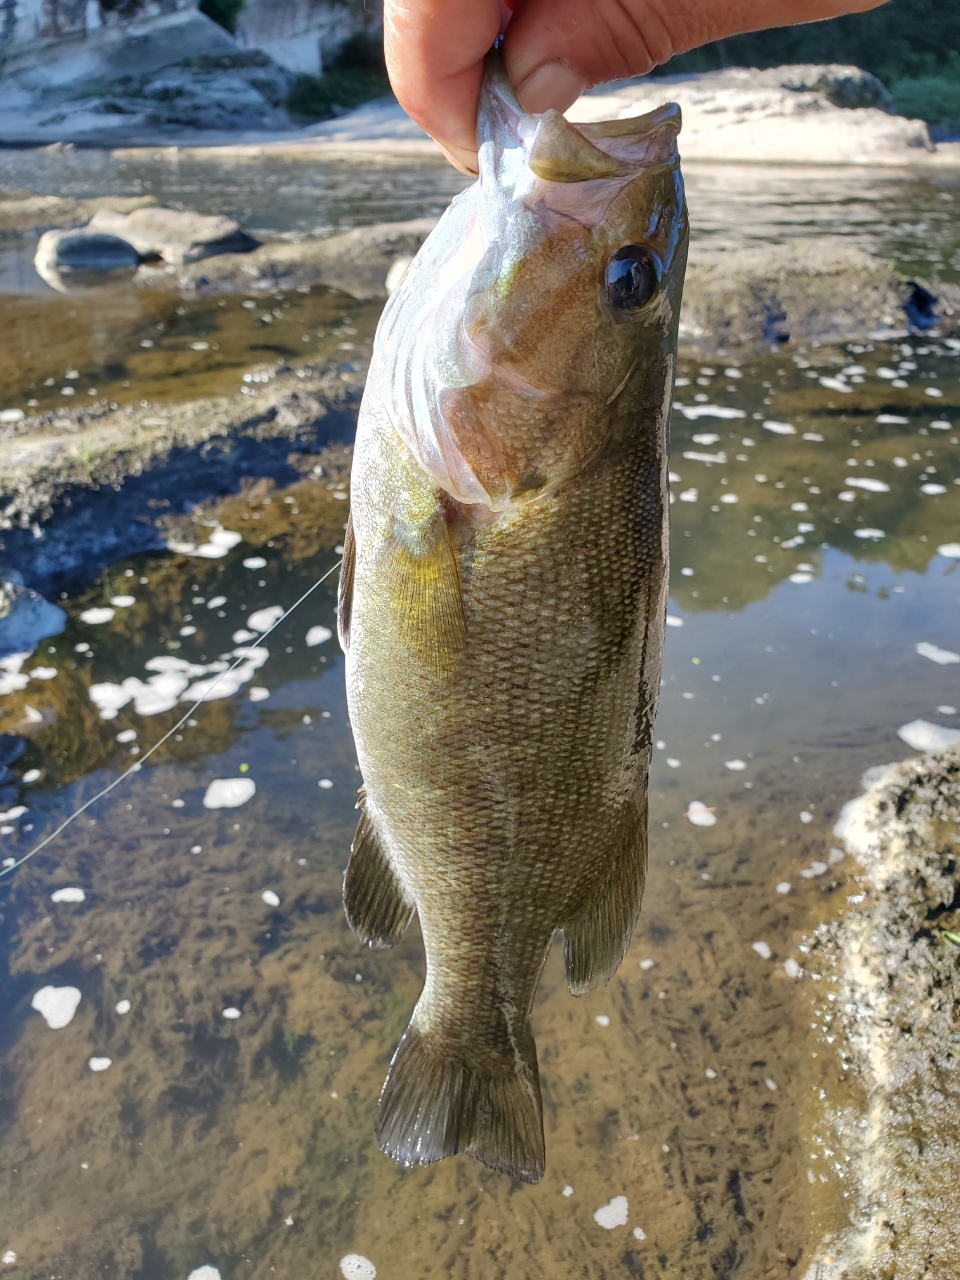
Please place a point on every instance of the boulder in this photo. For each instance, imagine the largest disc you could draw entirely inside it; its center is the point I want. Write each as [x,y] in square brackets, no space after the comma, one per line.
[67,259]
[799,114]
[176,236]
[26,617]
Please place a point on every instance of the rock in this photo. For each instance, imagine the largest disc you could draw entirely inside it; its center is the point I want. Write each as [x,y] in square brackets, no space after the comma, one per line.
[70,258]
[299,34]
[175,236]
[26,618]
[893,959]
[802,114]
[358,262]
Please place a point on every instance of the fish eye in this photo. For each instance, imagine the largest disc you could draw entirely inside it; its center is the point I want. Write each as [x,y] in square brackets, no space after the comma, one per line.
[632,277]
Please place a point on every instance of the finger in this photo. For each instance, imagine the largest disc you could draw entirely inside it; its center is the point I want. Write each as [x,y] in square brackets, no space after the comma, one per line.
[435,51]
[554,49]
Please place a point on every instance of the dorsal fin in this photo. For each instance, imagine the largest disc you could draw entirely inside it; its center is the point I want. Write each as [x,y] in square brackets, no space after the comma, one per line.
[560,153]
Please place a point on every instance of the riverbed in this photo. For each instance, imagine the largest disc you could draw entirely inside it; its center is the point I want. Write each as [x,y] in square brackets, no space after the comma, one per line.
[210,1100]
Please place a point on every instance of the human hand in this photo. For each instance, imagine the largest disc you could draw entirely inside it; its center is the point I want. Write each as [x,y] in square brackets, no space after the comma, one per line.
[554,49]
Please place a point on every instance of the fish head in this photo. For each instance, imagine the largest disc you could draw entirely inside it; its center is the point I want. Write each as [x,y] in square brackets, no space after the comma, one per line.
[539,321]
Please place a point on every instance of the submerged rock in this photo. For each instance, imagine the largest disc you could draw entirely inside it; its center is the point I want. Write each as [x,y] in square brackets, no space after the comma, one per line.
[177,236]
[26,618]
[67,259]
[897,961]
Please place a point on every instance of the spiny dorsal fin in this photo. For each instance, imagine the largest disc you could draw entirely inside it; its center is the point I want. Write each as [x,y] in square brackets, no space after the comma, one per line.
[375,905]
[560,153]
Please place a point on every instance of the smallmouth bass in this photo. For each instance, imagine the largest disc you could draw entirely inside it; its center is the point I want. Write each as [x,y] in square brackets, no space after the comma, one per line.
[503,600]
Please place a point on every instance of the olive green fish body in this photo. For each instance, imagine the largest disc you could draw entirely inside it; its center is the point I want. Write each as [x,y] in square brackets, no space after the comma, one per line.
[502,611]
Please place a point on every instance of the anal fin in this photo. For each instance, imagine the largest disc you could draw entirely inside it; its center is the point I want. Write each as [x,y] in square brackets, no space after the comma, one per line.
[376,907]
[597,935]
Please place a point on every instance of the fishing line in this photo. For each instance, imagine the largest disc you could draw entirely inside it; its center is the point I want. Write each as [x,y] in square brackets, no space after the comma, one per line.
[137,765]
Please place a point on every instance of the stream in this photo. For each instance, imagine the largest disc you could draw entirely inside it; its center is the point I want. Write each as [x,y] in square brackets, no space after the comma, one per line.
[208,1097]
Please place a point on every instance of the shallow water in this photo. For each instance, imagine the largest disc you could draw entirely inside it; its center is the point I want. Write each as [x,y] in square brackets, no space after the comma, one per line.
[694,1086]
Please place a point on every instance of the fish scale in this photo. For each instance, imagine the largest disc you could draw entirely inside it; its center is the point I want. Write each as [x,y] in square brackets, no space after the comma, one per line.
[503,604]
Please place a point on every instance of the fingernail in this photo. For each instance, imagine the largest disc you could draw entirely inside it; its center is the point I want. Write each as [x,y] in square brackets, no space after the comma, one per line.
[550,85]
[461,158]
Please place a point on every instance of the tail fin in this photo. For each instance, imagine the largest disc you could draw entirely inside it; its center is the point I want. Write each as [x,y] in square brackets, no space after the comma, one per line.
[435,1104]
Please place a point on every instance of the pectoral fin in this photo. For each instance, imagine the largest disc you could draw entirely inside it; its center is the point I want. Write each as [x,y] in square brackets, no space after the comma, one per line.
[425,591]
[376,908]
[345,591]
[606,907]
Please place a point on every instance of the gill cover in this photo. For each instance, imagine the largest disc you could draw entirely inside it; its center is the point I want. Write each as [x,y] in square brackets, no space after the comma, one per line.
[534,171]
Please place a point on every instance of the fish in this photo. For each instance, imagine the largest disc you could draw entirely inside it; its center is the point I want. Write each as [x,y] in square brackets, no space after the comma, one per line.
[502,603]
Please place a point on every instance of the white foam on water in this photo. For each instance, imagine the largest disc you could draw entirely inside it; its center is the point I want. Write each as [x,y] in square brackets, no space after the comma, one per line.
[689,495]
[254,562]
[693,411]
[944,657]
[647,963]
[900,462]
[68,894]
[806,816]
[229,793]
[931,490]
[783,886]
[258,693]
[123,602]
[9,814]
[872,534]
[871,486]
[43,673]
[613,1214]
[231,1014]
[567,1190]
[56,1005]
[221,541]
[602,1020]
[205,1272]
[318,635]
[217,602]
[944,709]
[188,631]
[11,678]
[700,815]
[771,1084]
[892,420]
[100,1064]
[97,616]
[800,578]
[32,775]
[949,550]
[10,1257]
[762,949]
[639,1233]
[805,528]
[736,765]
[729,498]
[710,1073]
[705,437]
[127,735]
[692,455]
[263,619]
[812,435]
[122,1007]
[941,425]
[847,495]
[673,762]
[243,636]
[354,1266]
[780,428]
[270,898]
[924,736]
[933,391]
[797,506]
[674,621]
[835,384]
[325,784]
[814,870]
[791,968]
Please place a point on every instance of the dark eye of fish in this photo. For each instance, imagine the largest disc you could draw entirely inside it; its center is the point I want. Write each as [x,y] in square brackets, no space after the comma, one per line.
[633,275]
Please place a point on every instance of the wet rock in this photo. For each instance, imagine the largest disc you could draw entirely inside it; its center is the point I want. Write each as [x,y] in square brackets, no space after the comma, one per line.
[26,617]
[897,961]
[801,114]
[176,236]
[71,258]
[358,262]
